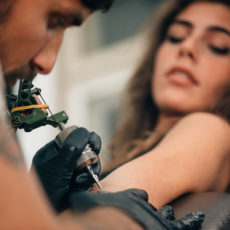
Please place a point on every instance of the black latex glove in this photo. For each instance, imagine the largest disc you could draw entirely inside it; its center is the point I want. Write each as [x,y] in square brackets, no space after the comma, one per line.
[56,166]
[167,212]
[134,203]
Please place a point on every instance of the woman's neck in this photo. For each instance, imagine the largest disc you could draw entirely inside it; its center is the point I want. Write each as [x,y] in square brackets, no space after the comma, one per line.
[165,122]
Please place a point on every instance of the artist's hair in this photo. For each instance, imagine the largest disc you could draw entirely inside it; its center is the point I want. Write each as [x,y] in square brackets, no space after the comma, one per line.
[136,134]
[94,5]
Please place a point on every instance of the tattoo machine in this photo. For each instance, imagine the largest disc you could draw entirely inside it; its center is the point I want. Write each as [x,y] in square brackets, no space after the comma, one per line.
[27,112]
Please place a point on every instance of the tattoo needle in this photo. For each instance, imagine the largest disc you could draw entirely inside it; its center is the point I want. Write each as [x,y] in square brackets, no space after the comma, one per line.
[95,177]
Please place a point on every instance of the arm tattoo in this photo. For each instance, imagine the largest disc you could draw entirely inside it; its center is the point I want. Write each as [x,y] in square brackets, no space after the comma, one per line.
[9,149]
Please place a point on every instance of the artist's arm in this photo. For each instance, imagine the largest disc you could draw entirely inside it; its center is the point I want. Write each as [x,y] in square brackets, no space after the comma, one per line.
[192,157]
[22,202]
[23,205]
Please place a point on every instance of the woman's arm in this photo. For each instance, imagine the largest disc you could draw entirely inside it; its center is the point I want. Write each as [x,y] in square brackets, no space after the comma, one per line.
[192,157]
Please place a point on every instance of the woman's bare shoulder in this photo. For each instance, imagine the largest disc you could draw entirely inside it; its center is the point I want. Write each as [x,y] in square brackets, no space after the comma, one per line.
[205,117]
[200,130]
[204,122]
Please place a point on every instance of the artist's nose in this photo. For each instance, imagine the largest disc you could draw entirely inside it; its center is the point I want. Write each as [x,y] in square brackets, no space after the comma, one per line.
[44,61]
[189,48]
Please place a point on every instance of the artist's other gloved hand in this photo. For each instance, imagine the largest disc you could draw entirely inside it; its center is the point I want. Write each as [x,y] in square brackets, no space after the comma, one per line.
[188,222]
[135,203]
[56,166]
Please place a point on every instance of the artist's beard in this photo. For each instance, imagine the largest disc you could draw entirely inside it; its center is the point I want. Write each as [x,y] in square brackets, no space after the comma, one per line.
[24,73]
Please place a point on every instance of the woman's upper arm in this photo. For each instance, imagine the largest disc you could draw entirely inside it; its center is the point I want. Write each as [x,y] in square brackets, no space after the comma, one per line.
[192,157]
[201,141]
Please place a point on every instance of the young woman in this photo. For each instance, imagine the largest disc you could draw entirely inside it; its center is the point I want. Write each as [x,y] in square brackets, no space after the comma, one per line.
[177,124]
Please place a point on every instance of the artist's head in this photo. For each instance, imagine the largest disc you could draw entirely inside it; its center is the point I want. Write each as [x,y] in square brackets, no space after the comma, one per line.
[187,65]
[32,31]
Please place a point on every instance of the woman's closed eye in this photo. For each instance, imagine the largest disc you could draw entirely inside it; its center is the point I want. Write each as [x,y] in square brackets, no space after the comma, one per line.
[220,50]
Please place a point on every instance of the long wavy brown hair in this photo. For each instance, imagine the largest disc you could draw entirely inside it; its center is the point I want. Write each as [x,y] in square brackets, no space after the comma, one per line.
[139,114]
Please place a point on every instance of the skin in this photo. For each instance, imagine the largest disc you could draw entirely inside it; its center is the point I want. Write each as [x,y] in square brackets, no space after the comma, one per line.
[39,34]
[194,138]
[193,47]
[32,36]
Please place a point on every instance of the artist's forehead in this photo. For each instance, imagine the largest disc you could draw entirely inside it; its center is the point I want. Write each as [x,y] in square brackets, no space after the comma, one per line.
[67,7]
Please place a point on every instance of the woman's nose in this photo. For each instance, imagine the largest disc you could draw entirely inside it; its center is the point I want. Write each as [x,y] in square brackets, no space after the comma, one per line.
[45,60]
[189,49]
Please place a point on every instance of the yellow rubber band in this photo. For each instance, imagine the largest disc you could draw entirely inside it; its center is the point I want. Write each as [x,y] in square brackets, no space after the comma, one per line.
[22,108]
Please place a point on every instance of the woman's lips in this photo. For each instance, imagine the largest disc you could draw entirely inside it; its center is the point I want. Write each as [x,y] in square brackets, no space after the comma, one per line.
[181,76]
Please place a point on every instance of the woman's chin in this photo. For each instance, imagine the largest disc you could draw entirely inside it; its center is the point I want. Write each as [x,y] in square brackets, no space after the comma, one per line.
[178,109]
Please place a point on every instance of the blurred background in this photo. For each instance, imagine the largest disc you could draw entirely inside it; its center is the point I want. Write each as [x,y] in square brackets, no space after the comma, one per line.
[94,64]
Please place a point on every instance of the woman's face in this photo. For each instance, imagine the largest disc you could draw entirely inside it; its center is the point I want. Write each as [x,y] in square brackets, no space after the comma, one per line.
[192,66]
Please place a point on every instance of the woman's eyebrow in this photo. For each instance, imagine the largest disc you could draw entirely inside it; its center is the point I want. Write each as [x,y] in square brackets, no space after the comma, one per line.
[183,23]
[211,28]
[219,29]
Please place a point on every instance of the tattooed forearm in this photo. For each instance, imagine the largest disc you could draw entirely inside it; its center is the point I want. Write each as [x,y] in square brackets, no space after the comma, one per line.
[10,150]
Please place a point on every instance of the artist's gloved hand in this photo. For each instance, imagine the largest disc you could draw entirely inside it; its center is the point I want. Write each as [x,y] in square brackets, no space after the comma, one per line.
[56,166]
[134,203]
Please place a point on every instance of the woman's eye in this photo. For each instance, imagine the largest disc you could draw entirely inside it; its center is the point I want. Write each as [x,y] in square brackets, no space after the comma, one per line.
[220,51]
[174,39]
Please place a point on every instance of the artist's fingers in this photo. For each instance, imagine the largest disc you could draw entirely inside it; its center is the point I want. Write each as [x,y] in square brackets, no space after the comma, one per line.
[167,212]
[190,222]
